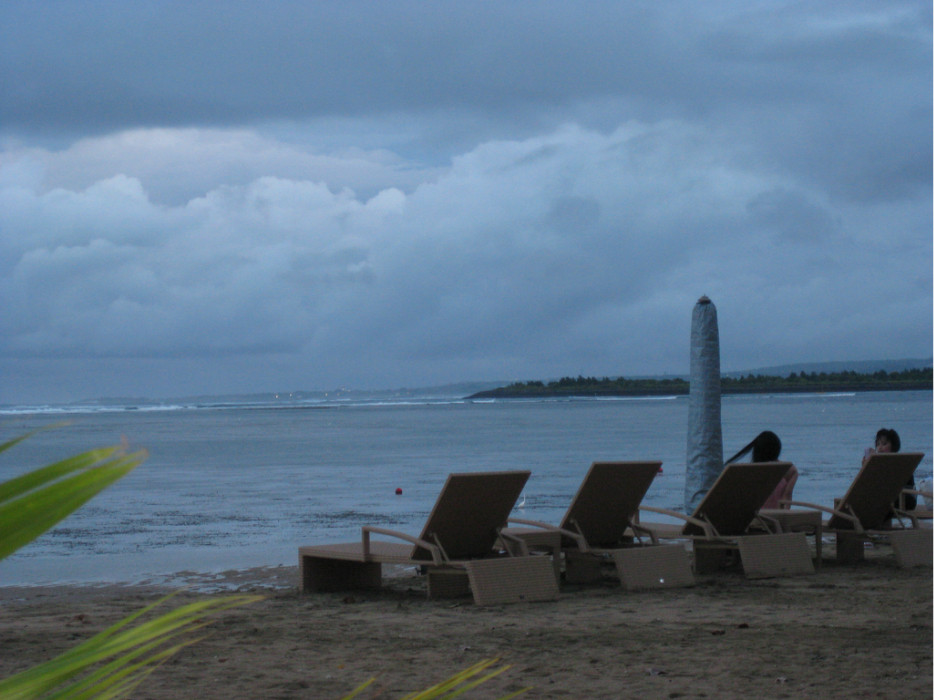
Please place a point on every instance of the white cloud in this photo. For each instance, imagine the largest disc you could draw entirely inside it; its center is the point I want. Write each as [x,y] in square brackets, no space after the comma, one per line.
[309,195]
[569,249]
[175,165]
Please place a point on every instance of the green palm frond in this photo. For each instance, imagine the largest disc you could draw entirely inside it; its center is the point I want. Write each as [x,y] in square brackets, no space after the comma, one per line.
[128,654]
[462,682]
[35,502]
[4,446]
[452,687]
[359,689]
[113,662]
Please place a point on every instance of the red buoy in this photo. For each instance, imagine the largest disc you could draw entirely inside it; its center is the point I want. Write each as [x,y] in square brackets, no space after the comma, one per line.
[398,492]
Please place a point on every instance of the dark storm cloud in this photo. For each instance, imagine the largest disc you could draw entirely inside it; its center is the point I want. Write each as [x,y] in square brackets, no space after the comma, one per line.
[93,65]
[203,196]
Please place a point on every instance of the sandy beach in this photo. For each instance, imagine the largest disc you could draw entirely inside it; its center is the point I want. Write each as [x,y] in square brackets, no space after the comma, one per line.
[858,631]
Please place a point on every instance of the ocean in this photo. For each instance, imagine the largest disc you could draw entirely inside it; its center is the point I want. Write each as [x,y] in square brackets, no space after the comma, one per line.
[230,486]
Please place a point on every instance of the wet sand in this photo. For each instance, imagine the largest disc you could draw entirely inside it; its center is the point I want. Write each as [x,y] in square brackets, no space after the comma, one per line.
[857,631]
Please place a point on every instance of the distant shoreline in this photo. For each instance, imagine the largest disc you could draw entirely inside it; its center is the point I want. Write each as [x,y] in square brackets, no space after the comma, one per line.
[909,380]
[504,394]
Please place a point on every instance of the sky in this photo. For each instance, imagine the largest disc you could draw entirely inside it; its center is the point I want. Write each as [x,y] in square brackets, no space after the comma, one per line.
[206,198]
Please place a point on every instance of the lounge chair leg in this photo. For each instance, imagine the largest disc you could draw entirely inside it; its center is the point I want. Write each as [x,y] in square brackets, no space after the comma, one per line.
[659,566]
[321,575]
[912,547]
[582,568]
[850,547]
[709,559]
[447,583]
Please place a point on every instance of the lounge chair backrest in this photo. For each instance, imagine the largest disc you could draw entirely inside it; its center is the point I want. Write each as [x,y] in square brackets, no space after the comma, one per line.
[608,499]
[470,511]
[875,488]
[736,496]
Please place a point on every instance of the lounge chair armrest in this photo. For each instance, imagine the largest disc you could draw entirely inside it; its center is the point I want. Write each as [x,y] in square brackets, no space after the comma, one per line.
[532,523]
[706,527]
[638,530]
[839,513]
[520,544]
[663,511]
[915,521]
[576,536]
[769,524]
[436,554]
[814,506]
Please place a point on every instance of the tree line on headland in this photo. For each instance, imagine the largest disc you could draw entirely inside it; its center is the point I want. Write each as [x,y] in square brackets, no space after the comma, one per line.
[910,379]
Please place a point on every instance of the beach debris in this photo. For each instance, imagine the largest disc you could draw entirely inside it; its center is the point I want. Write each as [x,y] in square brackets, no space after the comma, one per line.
[781,680]
[742,626]
[718,633]
[655,672]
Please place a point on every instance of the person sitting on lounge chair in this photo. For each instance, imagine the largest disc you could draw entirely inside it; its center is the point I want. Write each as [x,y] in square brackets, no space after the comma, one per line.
[887,441]
[766,447]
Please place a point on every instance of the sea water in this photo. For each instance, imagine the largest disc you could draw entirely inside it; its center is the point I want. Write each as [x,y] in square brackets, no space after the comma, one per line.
[238,485]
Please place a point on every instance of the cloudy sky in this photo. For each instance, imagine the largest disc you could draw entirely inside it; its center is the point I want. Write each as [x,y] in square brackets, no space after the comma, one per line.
[206,197]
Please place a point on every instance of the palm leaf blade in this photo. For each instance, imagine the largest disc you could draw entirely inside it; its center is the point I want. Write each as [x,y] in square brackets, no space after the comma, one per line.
[51,499]
[25,483]
[122,648]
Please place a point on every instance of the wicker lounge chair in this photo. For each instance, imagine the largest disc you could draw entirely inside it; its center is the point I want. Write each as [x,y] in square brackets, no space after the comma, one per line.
[594,531]
[720,525]
[922,509]
[456,549]
[866,512]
